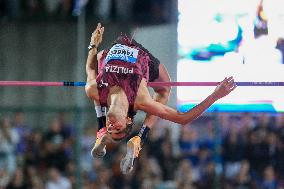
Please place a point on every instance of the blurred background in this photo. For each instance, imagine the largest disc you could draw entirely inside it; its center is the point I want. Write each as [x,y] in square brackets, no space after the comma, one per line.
[46,134]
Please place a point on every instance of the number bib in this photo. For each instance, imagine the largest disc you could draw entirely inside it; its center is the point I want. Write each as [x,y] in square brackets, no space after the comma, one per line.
[123,53]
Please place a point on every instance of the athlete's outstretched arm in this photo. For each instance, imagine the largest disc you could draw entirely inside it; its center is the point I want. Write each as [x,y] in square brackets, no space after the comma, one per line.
[152,107]
[92,62]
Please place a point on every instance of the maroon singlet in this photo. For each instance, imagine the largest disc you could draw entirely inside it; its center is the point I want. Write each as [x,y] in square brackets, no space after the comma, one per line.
[122,65]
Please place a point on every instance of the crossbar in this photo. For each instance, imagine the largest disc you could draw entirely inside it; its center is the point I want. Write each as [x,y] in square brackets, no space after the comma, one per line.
[151,84]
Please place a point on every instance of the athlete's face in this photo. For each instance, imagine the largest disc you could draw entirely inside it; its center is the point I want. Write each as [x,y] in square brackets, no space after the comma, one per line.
[116,126]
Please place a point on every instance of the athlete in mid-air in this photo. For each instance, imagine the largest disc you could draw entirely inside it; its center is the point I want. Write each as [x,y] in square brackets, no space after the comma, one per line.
[117,83]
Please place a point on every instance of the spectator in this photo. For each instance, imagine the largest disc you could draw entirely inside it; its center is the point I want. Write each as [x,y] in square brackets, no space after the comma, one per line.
[184,175]
[167,156]
[57,146]
[264,124]
[4,178]
[280,126]
[56,180]
[151,174]
[55,133]
[8,140]
[257,149]
[17,181]
[154,143]
[34,154]
[33,178]
[97,165]
[208,176]
[102,179]
[70,173]
[243,178]
[67,128]
[269,179]
[247,123]
[189,145]
[118,180]
[279,159]
[45,159]
[55,156]
[68,133]
[37,183]
[206,135]
[87,144]
[23,130]
[86,182]
[224,122]
[232,153]
[272,140]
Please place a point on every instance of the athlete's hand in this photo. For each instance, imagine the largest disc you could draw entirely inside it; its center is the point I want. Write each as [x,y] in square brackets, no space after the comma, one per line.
[224,88]
[97,35]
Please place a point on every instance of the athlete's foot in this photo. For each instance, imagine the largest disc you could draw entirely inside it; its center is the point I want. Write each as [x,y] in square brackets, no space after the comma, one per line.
[99,149]
[133,149]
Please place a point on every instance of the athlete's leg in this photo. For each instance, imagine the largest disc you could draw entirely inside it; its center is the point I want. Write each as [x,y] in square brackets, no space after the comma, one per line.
[157,72]
[161,95]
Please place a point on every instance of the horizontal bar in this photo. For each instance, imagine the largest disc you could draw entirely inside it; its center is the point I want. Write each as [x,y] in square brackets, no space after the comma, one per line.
[31,83]
[214,83]
[151,84]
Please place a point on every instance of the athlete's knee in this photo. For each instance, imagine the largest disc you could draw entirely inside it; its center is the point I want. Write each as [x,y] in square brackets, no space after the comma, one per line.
[90,89]
[164,91]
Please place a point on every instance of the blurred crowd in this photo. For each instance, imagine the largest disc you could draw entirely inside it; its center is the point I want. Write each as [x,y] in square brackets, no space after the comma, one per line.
[229,151]
[144,12]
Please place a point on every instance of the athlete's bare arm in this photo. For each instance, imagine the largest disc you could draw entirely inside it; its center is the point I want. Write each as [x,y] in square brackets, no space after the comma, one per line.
[150,106]
[92,63]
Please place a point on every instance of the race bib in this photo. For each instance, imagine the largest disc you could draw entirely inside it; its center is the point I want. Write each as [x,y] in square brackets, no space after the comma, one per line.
[123,53]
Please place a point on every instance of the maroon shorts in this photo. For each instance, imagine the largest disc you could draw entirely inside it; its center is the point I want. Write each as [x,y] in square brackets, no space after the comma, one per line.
[154,62]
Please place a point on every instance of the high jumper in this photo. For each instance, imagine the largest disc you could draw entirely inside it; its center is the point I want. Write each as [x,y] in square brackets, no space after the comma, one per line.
[117,80]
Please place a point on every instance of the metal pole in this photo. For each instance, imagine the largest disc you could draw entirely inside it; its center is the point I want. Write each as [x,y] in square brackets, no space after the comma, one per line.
[79,94]
[77,150]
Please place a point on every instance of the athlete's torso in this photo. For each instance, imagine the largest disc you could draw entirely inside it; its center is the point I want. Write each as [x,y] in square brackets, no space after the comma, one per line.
[123,66]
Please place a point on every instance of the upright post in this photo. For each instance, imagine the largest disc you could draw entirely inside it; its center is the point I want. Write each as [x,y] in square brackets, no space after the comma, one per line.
[79,94]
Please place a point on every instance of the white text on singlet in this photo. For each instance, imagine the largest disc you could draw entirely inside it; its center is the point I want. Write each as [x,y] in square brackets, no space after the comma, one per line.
[123,53]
